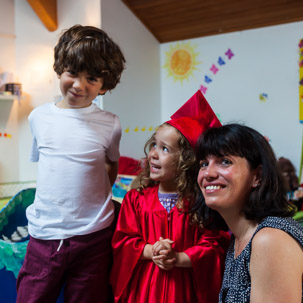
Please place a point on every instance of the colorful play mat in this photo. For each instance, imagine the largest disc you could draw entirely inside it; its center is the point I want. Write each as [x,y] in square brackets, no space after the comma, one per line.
[13,241]
[13,231]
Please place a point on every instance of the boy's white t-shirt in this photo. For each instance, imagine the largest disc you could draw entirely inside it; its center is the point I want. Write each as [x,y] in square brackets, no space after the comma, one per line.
[73,195]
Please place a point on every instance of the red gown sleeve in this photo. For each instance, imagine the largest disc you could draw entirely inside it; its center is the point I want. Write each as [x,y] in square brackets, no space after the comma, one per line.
[208,256]
[127,244]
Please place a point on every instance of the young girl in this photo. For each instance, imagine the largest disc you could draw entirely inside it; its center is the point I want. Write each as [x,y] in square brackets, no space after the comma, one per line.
[160,255]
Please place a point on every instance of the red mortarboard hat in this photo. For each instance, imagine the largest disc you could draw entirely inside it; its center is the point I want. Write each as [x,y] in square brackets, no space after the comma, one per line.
[194,117]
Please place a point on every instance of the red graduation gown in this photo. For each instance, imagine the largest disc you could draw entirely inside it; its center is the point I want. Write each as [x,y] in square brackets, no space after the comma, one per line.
[143,220]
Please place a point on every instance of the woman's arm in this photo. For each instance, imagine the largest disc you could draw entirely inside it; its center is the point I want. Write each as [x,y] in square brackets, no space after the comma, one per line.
[276,268]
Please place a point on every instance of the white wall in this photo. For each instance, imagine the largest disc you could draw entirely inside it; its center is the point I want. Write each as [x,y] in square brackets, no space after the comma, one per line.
[9,166]
[136,100]
[265,61]
[7,36]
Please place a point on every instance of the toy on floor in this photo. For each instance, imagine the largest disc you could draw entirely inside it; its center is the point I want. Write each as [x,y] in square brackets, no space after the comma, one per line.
[294,191]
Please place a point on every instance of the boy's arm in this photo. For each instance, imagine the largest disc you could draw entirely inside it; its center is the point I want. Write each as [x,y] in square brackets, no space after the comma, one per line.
[112,170]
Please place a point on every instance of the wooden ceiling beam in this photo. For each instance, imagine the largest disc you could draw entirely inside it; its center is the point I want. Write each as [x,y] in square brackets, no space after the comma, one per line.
[46,10]
[173,20]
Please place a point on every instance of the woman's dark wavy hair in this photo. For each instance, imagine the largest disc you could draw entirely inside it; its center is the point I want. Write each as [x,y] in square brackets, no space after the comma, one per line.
[87,48]
[187,170]
[269,198]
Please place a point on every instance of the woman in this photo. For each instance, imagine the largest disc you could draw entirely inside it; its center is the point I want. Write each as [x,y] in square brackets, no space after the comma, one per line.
[240,179]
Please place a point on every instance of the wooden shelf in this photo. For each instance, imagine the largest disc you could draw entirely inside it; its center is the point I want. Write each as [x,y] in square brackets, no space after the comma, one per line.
[8,97]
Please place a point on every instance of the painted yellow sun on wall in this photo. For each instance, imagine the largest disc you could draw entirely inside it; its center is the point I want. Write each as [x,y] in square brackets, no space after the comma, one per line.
[181,61]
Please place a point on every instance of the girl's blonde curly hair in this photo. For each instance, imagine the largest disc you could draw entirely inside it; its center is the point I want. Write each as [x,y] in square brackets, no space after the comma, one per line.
[186,175]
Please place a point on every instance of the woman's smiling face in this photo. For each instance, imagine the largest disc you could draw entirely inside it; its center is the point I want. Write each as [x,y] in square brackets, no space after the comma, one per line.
[226,181]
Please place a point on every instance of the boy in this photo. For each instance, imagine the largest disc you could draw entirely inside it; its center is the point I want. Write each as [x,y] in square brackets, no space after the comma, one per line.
[77,146]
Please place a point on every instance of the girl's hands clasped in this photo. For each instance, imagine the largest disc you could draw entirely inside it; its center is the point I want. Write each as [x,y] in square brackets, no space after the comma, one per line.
[163,254]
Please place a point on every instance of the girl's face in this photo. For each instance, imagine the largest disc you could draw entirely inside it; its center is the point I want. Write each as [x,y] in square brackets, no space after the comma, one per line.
[226,182]
[163,158]
[79,89]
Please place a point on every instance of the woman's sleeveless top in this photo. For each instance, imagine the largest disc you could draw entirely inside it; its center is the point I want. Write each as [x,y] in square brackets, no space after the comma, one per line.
[236,282]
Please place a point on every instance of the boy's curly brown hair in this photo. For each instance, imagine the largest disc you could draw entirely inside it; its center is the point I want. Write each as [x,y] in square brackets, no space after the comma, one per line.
[90,49]
[187,171]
